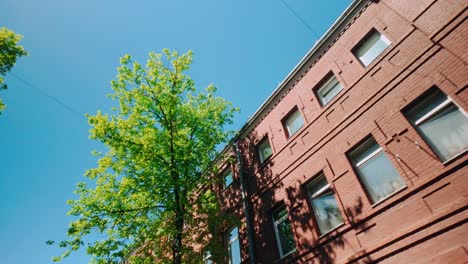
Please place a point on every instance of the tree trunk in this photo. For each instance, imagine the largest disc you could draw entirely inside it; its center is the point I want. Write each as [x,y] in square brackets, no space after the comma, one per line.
[179,225]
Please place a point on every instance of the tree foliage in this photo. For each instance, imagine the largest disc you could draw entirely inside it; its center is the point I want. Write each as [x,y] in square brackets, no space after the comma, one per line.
[9,53]
[150,203]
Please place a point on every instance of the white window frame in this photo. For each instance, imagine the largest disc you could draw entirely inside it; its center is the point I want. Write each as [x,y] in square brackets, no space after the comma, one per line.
[318,193]
[364,41]
[437,109]
[231,241]
[368,157]
[263,142]
[327,87]
[444,104]
[207,257]
[365,160]
[276,222]
[288,116]
[227,171]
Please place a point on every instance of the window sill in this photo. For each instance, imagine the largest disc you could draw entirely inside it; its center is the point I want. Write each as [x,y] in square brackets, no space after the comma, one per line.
[389,196]
[321,237]
[452,159]
[286,255]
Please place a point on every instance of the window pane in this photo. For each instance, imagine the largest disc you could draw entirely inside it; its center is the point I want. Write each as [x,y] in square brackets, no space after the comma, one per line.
[280,214]
[234,234]
[326,212]
[207,257]
[372,47]
[446,132]
[234,247]
[329,90]
[380,177]
[227,178]
[285,234]
[264,150]
[293,123]
[325,207]
[431,101]
[364,150]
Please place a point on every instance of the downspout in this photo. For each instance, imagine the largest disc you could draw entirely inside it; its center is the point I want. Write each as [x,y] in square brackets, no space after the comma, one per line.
[245,205]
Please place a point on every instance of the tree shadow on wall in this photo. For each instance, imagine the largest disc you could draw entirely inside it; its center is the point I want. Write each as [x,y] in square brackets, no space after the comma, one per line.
[323,248]
[261,183]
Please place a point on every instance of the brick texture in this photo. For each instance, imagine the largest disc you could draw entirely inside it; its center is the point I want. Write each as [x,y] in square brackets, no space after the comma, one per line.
[423,223]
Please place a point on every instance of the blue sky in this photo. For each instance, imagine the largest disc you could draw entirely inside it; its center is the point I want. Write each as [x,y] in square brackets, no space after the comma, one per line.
[244,47]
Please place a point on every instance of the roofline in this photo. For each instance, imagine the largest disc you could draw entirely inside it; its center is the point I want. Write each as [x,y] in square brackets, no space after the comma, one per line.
[316,50]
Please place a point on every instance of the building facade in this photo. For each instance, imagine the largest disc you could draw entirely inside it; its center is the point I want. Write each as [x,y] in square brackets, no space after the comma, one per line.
[359,155]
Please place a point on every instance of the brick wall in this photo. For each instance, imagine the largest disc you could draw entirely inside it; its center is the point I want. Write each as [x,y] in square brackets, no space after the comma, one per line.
[424,222]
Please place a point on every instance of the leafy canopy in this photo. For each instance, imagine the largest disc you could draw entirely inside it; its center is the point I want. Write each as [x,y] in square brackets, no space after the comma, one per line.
[9,53]
[161,141]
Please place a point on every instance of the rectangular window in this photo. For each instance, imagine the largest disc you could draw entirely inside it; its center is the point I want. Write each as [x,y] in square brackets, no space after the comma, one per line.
[234,246]
[371,47]
[227,178]
[293,122]
[375,170]
[325,207]
[207,257]
[264,150]
[329,89]
[440,122]
[283,232]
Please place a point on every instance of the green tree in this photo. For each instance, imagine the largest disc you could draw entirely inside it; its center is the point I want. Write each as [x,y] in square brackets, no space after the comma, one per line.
[149,202]
[9,53]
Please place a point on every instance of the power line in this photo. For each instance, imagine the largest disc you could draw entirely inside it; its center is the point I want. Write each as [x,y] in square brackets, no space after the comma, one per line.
[44,93]
[300,18]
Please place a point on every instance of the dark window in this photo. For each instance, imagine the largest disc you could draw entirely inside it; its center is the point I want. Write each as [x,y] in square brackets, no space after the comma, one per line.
[283,232]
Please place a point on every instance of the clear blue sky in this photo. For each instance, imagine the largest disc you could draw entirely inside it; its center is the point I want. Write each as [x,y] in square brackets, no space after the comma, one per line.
[244,47]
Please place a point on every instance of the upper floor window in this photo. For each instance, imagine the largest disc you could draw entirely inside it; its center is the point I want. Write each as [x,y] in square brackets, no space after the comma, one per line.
[283,232]
[371,47]
[227,178]
[293,122]
[234,246]
[264,149]
[440,122]
[325,208]
[376,172]
[328,89]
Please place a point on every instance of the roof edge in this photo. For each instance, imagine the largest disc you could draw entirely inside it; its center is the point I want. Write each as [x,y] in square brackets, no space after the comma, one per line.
[315,52]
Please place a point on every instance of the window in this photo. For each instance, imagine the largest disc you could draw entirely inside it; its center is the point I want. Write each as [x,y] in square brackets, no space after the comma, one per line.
[440,122]
[375,170]
[264,150]
[234,246]
[283,232]
[227,178]
[371,47]
[329,89]
[293,122]
[207,257]
[324,205]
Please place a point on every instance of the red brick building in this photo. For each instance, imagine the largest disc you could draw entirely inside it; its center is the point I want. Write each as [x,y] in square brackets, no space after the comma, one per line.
[359,155]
